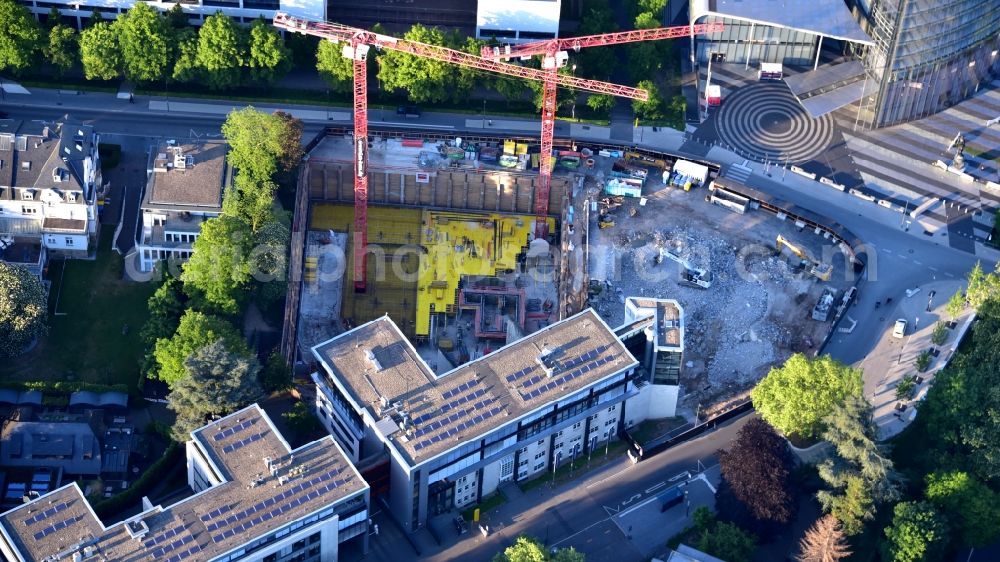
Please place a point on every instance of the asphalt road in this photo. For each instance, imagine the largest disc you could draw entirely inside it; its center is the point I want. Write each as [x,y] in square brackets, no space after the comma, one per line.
[592,514]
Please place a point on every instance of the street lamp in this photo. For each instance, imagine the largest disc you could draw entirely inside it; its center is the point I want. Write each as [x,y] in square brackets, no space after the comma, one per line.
[590,450]
[555,465]
[484,113]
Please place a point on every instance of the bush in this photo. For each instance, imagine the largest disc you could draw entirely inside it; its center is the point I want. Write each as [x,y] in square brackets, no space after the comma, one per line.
[904,390]
[940,334]
[113,506]
[64,387]
[923,361]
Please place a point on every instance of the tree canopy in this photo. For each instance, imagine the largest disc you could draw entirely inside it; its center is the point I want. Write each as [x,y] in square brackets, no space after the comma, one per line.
[918,533]
[651,108]
[195,331]
[424,80]
[217,382]
[259,142]
[720,539]
[970,505]
[527,549]
[99,52]
[61,48]
[20,36]
[268,57]
[221,51]
[758,493]
[337,70]
[218,272]
[23,309]
[144,38]
[795,397]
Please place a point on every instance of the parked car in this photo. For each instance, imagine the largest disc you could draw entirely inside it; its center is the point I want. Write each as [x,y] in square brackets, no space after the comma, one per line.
[461,526]
[408,111]
[899,330]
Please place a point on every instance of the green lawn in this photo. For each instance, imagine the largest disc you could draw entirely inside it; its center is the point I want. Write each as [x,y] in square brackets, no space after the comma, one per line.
[485,506]
[575,469]
[94,326]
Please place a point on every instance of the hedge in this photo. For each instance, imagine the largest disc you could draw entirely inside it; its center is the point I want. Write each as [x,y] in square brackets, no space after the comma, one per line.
[63,386]
[113,506]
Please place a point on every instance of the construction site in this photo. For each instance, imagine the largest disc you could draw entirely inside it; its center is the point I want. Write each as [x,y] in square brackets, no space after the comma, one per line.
[471,242]
[453,257]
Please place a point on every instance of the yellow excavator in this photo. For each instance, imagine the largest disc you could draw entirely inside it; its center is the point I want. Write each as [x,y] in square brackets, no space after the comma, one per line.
[819,270]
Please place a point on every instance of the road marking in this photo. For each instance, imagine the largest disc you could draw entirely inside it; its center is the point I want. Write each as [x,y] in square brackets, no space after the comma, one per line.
[705,480]
[932,268]
[643,504]
[918,263]
[581,531]
[632,499]
[619,473]
[398,124]
[949,274]
[886,251]
[611,511]
[652,489]
[677,477]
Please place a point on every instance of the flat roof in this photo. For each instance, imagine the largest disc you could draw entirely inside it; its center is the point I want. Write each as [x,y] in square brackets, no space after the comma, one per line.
[249,504]
[199,184]
[382,372]
[669,324]
[829,18]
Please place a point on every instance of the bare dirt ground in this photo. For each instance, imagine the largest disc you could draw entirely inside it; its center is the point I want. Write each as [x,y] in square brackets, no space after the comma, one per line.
[756,313]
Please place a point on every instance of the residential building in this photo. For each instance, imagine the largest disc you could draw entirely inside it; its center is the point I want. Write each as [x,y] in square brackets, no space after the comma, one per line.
[245,11]
[685,553]
[185,185]
[49,178]
[517,21]
[905,59]
[25,251]
[255,499]
[452,439]
[70,447]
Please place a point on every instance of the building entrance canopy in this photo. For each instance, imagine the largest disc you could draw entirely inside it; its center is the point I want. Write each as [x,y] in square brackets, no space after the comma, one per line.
[828,18]
[831,87]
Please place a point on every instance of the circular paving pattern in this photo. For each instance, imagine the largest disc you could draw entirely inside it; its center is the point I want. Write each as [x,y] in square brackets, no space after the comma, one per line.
[766,121]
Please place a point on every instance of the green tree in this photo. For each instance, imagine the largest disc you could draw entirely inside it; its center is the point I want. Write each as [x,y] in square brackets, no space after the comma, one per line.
[289,135]
[956,304]
[302,420]
[53,18]
[195,331]
[940,333]
[260,142]
[94,19]
[268,58]
[904,389]
[824,542]
[166,305]
[218,381]
[852,432]
[597,62]
[527,549]
[982,286]
[918,533]
[851,504]
[645,58]
[62,48]
[186,67]
[337,71]
[20,37]
[176,18]
[144,38]
[656,7]
[652,108]
[99,52]
[276,376]
[23,309]
[676,112]
[218,272]
[923,361]
[221,51]
[269,261]
[795,397]
[970,505]
[601,103]
[424,80]
[727,542]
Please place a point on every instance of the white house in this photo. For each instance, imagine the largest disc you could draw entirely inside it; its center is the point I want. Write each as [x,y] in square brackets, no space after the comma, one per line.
[185,186]
[49,176]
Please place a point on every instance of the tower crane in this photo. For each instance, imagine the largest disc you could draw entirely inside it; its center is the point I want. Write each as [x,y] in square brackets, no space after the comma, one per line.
[357,43]
[555,56]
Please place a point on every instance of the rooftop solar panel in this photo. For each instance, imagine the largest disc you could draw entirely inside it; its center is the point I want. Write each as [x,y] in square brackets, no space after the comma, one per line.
[233,430]
[46,514]
[243,443]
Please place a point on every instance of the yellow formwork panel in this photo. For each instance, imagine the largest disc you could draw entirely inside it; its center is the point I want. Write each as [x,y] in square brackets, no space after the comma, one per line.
[465,244]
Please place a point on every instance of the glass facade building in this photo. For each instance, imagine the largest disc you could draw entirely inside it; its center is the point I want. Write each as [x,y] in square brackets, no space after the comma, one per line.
[743,40]
[927,55]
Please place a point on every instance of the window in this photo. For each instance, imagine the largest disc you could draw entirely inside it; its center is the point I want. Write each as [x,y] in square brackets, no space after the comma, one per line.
[541,442]
[540,454]
[314,538]
[26,210]
[522,463]
[539,466]
[576,425]
[271,557]
[27,195]
[69,241]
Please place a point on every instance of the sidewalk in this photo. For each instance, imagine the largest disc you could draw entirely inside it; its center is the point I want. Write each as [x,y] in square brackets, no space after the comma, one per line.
[895,358]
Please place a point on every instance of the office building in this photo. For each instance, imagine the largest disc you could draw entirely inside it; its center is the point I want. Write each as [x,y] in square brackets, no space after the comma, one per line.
[255,499]
[245,11]
[654,332]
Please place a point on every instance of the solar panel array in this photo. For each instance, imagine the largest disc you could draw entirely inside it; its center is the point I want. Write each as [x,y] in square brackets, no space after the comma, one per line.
[164,537]
[459,389]
[458,428]
[167,549]
[451,405]
[46,514]
[519,374]
[556,383]
[53,528]
[567,365]
[182,555]
[244,442]
[215,513]
[233,430]
[445,422]
[267,515]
